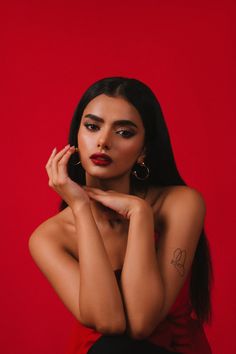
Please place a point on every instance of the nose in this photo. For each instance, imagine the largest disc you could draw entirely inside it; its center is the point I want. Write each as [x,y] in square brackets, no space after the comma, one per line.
[104,140]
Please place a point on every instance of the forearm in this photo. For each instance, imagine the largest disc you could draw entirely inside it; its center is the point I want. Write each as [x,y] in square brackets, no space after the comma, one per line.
[100,300]
[141,280]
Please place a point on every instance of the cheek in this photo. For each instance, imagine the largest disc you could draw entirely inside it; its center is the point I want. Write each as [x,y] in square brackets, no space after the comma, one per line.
[131,149]
[85,145]
[84,141]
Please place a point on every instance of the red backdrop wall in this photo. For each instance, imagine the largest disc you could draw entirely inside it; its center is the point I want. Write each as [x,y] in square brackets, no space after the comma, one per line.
[51,51]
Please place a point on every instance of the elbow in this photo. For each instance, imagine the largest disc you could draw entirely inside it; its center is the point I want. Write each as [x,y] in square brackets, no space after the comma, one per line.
[139,333]
[104,328]
[143,328]
[117,327]
[106,324]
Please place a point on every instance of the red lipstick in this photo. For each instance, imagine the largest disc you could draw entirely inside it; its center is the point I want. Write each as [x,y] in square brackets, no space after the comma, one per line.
[100,159]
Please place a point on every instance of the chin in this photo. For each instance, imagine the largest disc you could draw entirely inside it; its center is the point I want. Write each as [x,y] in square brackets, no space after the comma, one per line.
[105,173]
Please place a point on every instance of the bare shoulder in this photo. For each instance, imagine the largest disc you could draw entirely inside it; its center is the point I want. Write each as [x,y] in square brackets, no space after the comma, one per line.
[57,231]
[47,229]
[179,204]
[173,200]
[184,198]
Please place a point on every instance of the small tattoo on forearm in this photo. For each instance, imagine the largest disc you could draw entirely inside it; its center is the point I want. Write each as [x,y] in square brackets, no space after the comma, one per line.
[178,260]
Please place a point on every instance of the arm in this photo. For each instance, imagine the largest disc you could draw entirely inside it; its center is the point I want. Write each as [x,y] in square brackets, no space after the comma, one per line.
[149,287]
[101,307]
[88,288]
[99,296]
[141,281]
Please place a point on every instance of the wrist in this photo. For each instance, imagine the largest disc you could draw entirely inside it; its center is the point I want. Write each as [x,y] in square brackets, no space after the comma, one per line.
[142,208]
[79,207]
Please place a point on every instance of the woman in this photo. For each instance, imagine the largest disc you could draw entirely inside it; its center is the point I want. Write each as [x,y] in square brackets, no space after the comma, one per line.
[127,253]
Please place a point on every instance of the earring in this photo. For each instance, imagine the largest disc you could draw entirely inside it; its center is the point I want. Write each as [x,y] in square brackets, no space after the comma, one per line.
[77,163]
[144,168]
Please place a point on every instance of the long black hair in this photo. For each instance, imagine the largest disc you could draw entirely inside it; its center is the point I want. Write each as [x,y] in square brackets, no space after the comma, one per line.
[159,158]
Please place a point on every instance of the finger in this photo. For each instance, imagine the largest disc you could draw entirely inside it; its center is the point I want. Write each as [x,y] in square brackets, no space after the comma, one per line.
[106,200]
[99,198]
[55,160]
[51,157]
[49,163]
[62,164]
[102,198]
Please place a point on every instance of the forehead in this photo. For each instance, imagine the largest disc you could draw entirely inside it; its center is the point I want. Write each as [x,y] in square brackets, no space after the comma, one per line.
[113,108]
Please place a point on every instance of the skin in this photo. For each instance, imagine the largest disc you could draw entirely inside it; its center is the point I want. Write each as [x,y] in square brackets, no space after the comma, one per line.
[105,228]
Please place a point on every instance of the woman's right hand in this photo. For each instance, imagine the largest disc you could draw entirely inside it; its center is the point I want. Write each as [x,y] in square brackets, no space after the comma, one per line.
[56,167]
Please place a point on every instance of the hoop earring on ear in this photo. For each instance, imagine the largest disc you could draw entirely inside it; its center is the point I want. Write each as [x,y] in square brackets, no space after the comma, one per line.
[77,163]
[144,167]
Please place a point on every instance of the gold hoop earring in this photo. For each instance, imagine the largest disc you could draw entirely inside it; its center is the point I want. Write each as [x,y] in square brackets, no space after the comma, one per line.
[145,168]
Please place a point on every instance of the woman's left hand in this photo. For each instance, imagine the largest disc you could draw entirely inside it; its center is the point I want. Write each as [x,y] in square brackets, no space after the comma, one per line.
[123,204]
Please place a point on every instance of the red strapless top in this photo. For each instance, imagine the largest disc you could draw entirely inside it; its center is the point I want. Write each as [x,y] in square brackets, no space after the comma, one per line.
[178,332]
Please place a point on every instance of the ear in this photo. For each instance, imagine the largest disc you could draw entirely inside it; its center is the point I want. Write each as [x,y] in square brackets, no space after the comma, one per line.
[142,155]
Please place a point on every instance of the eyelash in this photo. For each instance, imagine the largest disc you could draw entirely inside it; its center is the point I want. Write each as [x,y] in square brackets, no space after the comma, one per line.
[94,127]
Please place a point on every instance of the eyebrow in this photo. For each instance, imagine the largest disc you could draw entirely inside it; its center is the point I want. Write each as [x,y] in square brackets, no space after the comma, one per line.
[117,122]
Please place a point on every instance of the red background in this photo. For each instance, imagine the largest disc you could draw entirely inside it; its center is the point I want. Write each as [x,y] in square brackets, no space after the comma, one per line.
[51,51]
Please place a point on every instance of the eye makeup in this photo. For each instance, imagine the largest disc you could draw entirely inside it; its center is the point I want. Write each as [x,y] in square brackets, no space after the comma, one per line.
[123,122]
[124,133]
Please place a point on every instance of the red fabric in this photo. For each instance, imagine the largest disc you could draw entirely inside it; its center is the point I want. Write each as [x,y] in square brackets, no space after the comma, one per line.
[178,332]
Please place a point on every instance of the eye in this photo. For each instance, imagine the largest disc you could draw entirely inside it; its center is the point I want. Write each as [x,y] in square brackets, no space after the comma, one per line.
[125,133]
[91,126]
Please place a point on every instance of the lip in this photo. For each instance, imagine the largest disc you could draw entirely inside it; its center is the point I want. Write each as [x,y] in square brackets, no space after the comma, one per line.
[101,156]
[101,159]
[101,162]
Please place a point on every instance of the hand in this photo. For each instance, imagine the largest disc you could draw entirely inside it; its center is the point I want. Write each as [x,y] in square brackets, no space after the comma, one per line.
[59,180]
[124,204]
